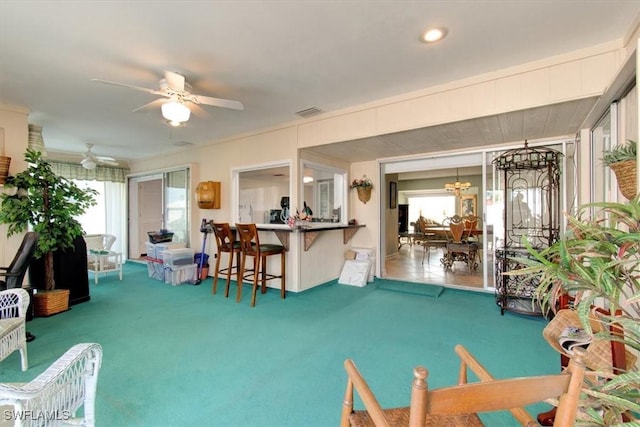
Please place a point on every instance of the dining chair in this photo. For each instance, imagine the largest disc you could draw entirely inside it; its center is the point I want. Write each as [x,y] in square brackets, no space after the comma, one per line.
[227,244]
[460,405]
[459,248]
[252,248]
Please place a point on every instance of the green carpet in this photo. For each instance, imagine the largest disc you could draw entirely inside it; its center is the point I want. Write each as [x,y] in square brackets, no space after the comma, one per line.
[180,356]
[409,288]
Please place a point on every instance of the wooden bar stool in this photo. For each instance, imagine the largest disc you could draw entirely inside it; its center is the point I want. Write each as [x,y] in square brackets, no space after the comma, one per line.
[251,247]
[226,241]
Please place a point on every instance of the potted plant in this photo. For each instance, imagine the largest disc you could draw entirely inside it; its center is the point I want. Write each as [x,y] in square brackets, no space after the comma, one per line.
[597,261]
[363,186]
[622,160]
[49,204]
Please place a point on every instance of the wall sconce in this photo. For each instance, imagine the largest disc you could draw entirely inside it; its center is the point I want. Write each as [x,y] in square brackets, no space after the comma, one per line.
[208,195]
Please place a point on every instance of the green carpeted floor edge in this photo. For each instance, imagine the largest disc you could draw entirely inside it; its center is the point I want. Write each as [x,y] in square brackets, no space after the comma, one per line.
[424,289]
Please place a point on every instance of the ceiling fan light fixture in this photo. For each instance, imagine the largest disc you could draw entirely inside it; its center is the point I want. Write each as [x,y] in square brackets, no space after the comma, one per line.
[175,112]
[89,164]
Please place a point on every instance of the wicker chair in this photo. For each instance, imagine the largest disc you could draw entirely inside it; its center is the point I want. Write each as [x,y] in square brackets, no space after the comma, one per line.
[54,396]
[13,315]
[459,405]
[100,258]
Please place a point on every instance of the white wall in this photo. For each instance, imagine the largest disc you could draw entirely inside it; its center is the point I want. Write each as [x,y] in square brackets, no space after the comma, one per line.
[15,127]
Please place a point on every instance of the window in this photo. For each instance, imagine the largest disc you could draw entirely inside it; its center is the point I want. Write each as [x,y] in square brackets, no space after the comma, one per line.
[435,207]
[262,194]
[106,216]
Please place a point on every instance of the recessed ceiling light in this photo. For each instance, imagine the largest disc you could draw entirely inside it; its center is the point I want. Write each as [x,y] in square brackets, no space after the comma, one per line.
[433,35]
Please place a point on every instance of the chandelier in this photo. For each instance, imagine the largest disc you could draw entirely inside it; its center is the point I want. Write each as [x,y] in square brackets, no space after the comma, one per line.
[457,187]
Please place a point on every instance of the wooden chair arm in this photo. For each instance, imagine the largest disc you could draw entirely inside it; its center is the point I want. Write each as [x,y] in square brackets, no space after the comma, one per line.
[467,360]
[368,399]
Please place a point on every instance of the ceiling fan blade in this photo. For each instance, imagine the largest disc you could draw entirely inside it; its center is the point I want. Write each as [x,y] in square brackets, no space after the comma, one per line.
[216,102]
[174,81]
[105,159]
[143,89]
[109,162]
[198,110]
[153,104]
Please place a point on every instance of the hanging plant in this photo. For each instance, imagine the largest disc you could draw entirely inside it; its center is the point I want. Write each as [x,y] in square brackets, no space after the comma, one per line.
[363,186]
[622,161]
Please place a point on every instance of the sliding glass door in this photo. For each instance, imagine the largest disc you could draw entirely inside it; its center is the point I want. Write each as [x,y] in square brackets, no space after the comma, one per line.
[158,201]
[421,186]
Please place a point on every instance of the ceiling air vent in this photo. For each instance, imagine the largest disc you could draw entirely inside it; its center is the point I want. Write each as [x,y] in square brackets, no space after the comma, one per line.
[308,112]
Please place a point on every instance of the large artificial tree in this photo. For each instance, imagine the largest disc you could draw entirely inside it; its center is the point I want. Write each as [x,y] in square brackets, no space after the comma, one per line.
[49,204]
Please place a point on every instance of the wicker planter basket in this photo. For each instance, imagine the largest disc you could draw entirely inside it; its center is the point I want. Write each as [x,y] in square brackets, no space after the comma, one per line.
[47,303]
[598,352]
[364,194]
[626,176]
[5,162]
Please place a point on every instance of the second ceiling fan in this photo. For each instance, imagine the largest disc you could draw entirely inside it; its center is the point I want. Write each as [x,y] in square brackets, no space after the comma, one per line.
[177,101]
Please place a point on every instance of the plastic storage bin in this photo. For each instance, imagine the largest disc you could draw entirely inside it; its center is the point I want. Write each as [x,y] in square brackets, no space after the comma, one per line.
[162,247]
[154,250]
[183,274]
[177,257]
[155,268]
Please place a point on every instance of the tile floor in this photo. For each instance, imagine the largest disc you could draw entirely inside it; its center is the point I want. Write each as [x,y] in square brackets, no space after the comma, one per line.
[408,265]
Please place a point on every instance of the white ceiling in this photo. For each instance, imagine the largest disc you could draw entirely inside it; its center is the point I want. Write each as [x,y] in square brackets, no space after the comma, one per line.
[279,57]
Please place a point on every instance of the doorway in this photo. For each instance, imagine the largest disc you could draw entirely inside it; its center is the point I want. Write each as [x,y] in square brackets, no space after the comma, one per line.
[426,178]
[158,201]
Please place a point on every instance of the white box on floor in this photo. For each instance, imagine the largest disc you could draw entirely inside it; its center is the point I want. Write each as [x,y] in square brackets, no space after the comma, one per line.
[354,273]
[367,254]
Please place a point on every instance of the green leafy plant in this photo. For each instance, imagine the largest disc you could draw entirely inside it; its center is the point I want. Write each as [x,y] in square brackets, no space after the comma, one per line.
[620,153]
[598,261]
[47,202]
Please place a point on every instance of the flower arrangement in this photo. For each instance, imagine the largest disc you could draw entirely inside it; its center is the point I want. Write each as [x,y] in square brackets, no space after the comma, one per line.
[362,182]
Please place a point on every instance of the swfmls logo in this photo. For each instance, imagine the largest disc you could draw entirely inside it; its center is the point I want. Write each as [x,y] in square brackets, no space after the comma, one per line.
[31,415]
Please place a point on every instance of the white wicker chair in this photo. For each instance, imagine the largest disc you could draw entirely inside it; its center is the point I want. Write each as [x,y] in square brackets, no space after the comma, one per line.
[100,258]
[54,396]
[13,315]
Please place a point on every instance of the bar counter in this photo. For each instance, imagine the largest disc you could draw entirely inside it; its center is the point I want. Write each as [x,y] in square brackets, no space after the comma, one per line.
[310,230]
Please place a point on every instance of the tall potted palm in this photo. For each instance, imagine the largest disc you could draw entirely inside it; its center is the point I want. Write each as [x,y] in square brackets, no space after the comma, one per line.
[598,261]
[49,204]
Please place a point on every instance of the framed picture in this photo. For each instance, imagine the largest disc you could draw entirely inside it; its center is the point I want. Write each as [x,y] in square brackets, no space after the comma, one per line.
[469,205]
[393,195]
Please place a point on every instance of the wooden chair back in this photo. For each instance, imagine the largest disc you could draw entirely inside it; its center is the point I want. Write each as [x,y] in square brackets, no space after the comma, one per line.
[456,228]
[249,239]
[225,237]
[460,404]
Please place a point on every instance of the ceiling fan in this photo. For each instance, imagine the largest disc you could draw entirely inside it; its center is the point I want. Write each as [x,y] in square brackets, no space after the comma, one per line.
[181,102]
[90,160]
